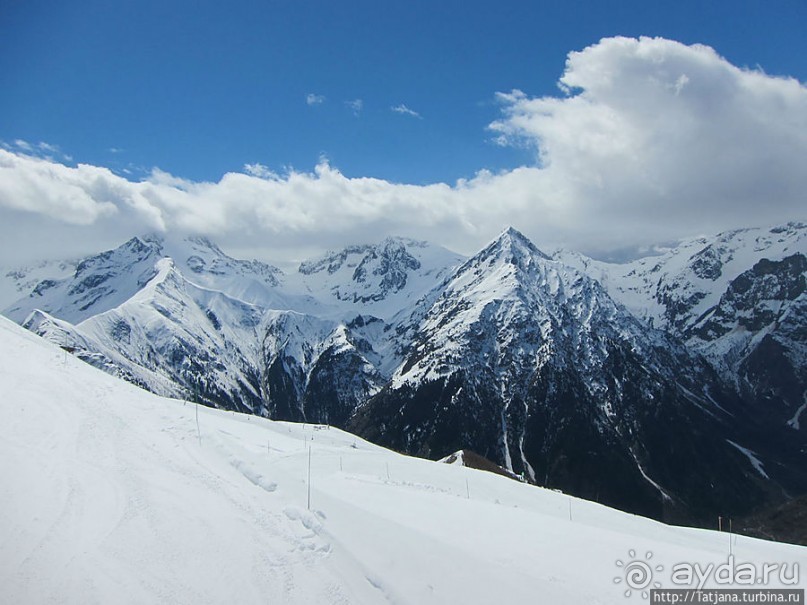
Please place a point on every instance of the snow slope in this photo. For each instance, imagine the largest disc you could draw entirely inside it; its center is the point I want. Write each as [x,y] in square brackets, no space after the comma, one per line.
[739,298]
[111,495]
[157,311]
[17,281]
[378,280]
[673,290]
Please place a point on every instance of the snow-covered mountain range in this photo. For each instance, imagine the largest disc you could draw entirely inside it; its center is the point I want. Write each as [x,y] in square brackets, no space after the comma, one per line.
[673,386]
[737,298]
[114,495]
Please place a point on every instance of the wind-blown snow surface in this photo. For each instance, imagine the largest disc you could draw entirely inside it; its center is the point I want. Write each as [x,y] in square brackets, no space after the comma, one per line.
[110,495]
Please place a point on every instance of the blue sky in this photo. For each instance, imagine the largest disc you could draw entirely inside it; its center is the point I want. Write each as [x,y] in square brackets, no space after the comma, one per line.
[272,126]
[202,88]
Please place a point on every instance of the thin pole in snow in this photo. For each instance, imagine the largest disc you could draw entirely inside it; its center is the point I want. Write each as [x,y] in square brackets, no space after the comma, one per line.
[467,488]
[387,470]
[731,548]
[570,509]
[340,464]
[196,398]
[309,477]
[198,430]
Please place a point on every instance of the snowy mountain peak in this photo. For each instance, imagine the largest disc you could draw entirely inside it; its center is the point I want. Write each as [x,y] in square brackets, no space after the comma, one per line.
[332,261]
[104,281]
[386,276]
[531,363]
[391,261]
[510,254]
[512,241]
[203,242]
[512,267]
[135,250]
[390,249]
[100,282]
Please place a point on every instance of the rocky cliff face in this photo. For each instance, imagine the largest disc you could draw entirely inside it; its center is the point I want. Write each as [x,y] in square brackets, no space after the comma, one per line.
[738,299]
[532,364]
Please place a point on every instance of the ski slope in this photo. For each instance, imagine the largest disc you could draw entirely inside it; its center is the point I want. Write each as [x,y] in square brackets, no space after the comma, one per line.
[112,495]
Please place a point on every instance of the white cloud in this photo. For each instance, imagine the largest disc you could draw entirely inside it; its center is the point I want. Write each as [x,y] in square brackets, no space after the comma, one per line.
[42,149]
[260,171]
[23,145]
[665,138]
[404,110]
[356,105]
[314,99]
[45,187]
[654,140]
[284,214]
[48,148]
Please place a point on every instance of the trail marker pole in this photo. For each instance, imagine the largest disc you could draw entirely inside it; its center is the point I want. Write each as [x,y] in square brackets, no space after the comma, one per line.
[198,430]
[731,547]
[309,477]
[196,400]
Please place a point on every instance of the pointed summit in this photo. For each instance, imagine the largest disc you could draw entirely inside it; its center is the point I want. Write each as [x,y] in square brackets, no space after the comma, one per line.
[200,241]
[511,259]
[100,282]
[513,233]
[513,243]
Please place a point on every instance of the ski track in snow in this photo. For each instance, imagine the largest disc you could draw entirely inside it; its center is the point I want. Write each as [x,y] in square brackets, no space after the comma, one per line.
[110,497]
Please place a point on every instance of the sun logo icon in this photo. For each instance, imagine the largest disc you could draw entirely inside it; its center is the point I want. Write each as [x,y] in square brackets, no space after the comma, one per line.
[637,573]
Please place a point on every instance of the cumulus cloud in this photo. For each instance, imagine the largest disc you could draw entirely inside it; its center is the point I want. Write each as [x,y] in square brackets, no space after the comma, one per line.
[666,137]
[650,140]
[42,186]
[280,214]
[404,110]
[314,99]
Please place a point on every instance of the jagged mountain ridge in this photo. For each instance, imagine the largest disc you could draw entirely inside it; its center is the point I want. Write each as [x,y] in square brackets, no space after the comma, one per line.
[183,318]
[532,364]
[174,338]
[107,280]
[738,298]
[519,356]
